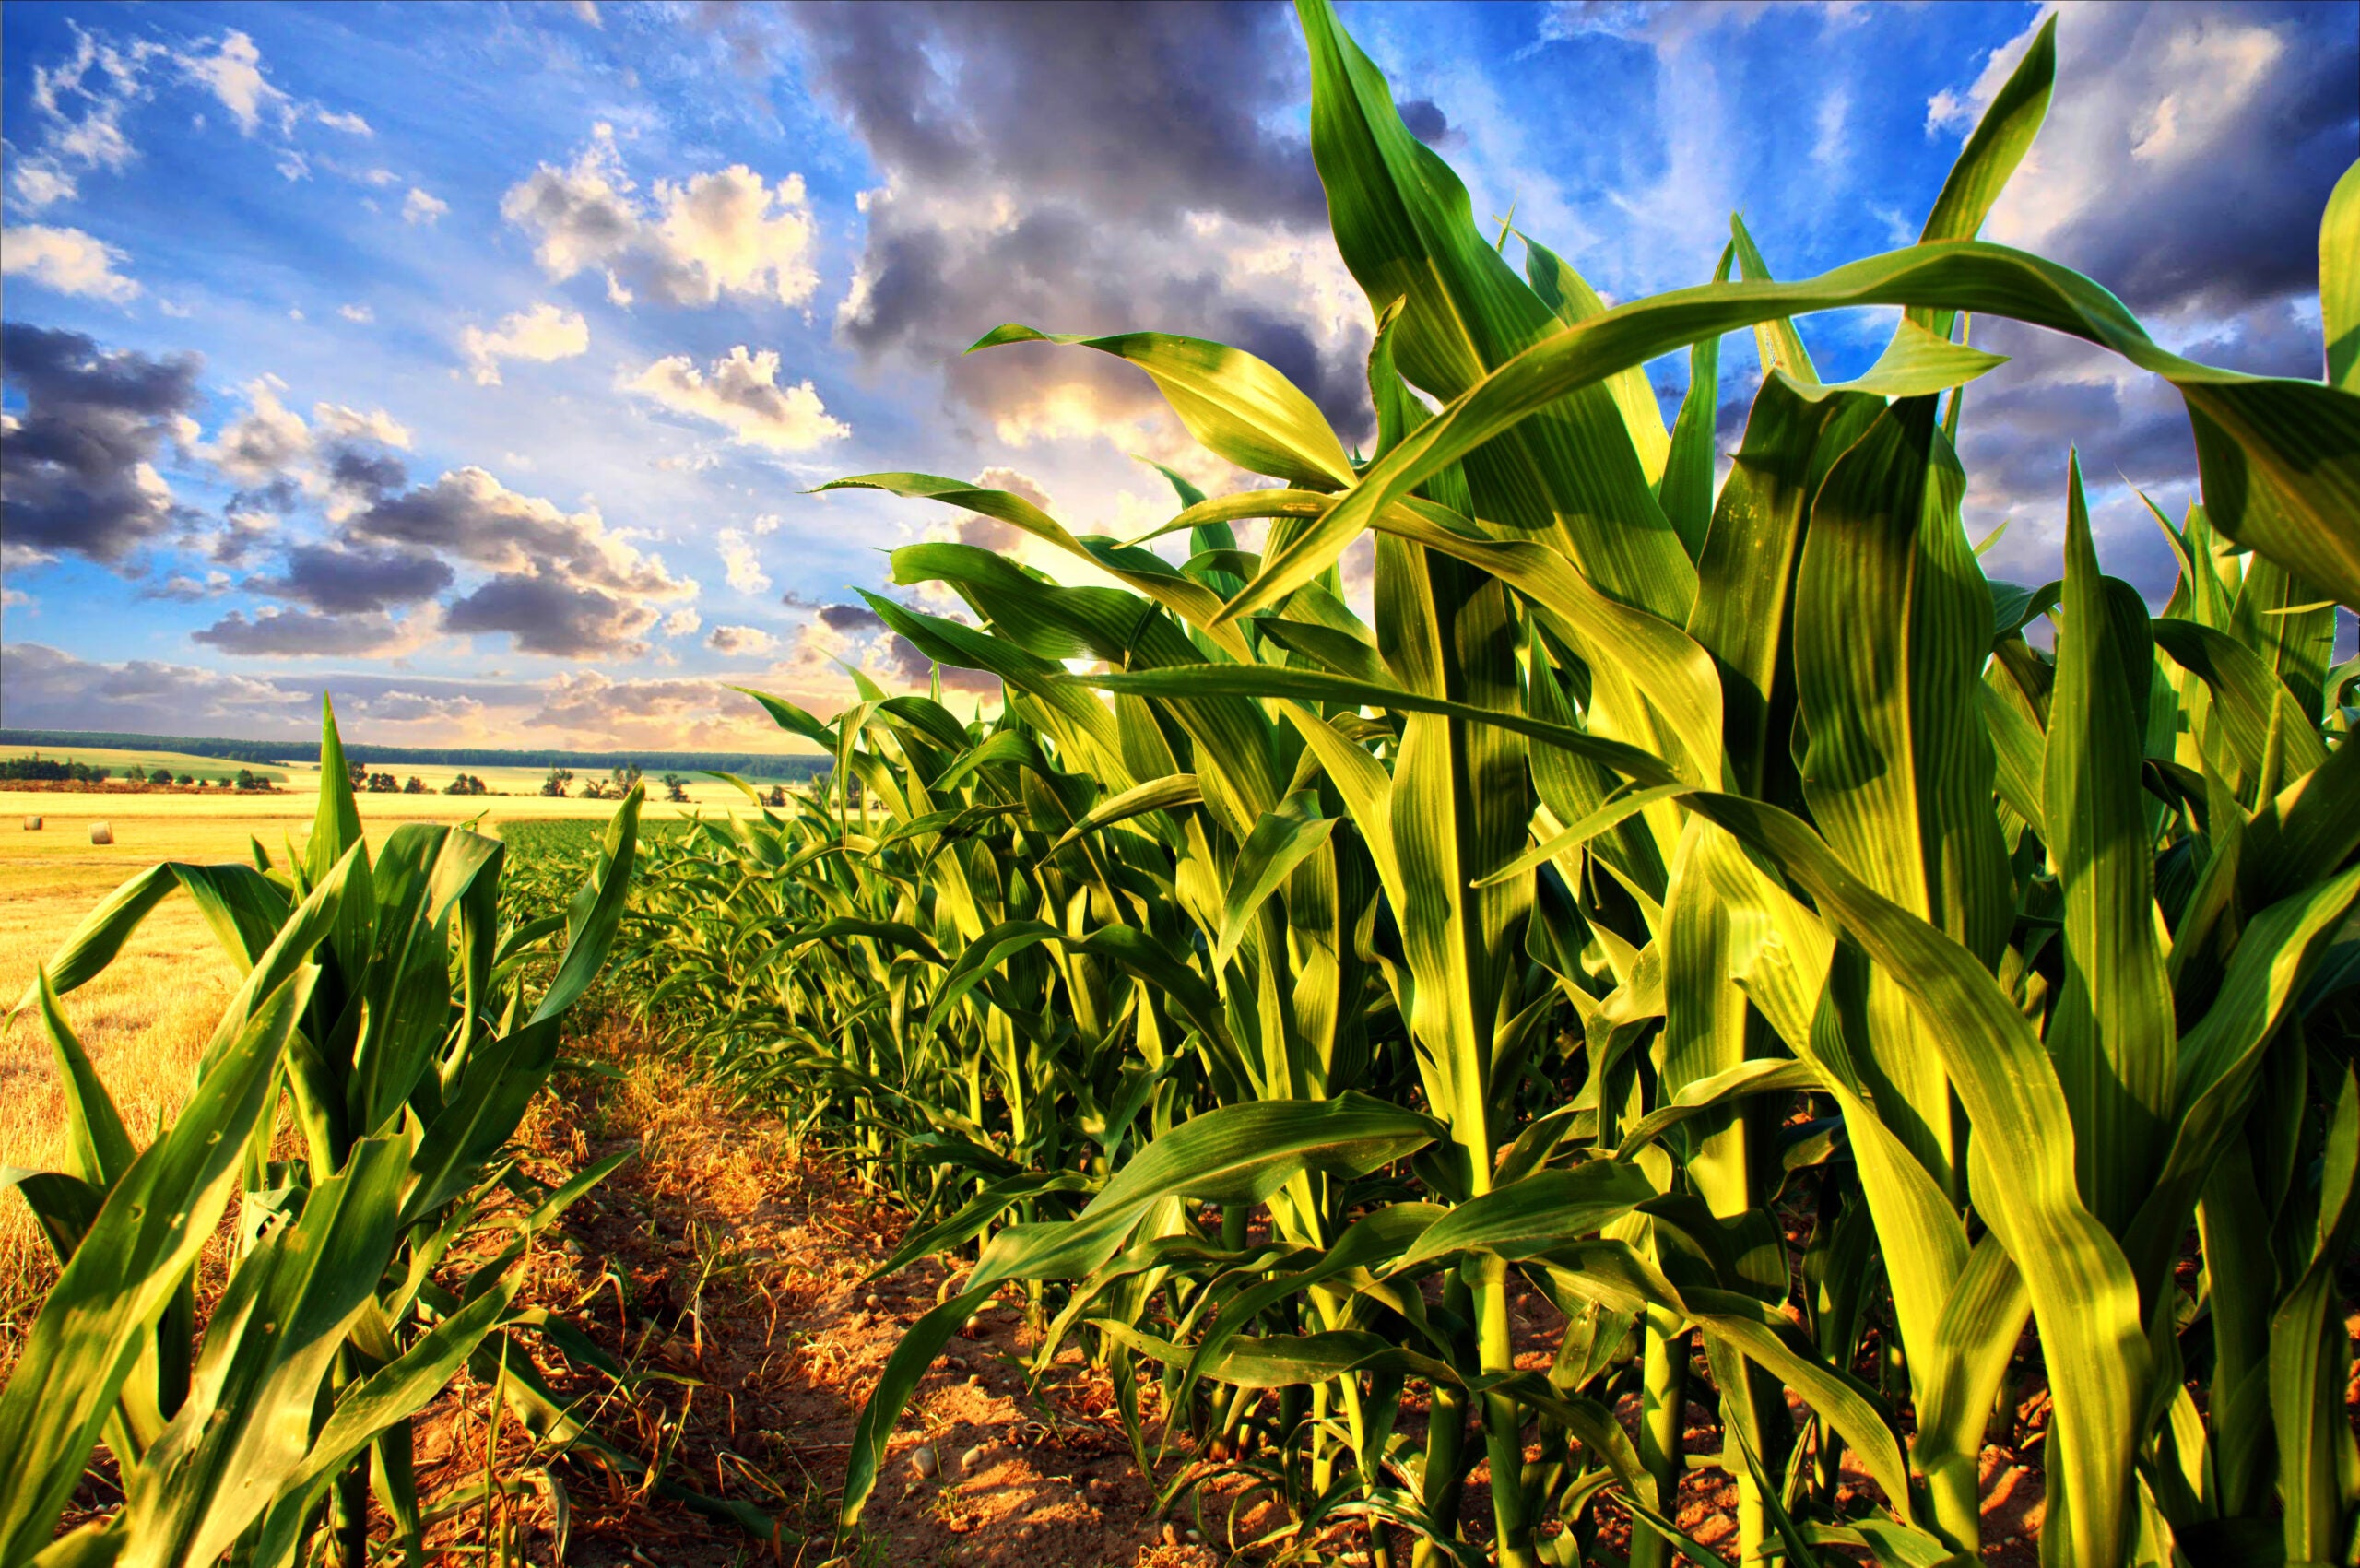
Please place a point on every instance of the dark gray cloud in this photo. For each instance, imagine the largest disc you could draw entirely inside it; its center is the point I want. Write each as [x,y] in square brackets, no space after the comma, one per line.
[546,614]
[371,473]
[2190,149]
[469,516]
[354,581]
[2185,164]
[77,468]
[902,658]
[304,633]
[1058,165]
[850,617]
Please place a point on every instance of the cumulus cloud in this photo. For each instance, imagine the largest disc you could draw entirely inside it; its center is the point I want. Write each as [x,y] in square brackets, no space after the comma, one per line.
[562,583]
[740,563]
[44,687]
[1061,166]
[78,469]
[2167,119]
[683,623]
[79,105]
[741,394]
[732,641]
[361,313]
[233,71]
[338,460]
[311,634]
[343,580]
[855,637]
[183,589]
[67,260]
[543,332]
[688,243]
[420,208]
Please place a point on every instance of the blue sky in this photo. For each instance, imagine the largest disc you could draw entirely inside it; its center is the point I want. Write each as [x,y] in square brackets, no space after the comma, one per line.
[471,362]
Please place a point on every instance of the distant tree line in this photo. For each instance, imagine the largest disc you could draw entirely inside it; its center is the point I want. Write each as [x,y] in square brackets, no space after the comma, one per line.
[52,770]
[401,759]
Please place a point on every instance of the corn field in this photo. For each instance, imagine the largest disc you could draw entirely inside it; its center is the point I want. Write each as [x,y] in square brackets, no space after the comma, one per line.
[380,1030]
[1715,909]
[1706,901]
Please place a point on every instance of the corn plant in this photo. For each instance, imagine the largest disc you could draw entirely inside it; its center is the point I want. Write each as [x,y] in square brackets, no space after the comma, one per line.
[377,1007]
[1664,869]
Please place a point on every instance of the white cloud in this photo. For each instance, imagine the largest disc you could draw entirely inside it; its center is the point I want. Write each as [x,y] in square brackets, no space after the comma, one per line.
[768,523]
[588,10]
[420,208]
[264,440]
[735,640]
[67,260]
[356,313]
[268,445]
[723,232]
[80,103]
[743,567]
[543,332]
[351,124]
[682,622]
[233,73]
[341,423]
[741,394]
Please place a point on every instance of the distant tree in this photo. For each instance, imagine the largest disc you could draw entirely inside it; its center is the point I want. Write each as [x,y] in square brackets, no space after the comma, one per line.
[554,785]
[466,784]
[416,786]
[622,777]
[777,795]
[594,789]
[246,778]
[188,779]
[675,787]
[360,773]
[383,783]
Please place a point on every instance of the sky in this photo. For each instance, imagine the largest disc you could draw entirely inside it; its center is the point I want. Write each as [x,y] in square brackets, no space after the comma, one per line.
[475,362]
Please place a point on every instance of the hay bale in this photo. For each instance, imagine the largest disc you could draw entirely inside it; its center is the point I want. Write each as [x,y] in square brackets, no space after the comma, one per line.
[33,824]
[102,834]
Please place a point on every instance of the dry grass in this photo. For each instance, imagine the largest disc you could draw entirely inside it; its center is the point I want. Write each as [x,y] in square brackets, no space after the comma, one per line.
[147,1016]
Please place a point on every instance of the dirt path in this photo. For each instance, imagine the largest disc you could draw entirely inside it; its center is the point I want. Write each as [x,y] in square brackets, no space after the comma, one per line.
[724,1269]
[724,1266]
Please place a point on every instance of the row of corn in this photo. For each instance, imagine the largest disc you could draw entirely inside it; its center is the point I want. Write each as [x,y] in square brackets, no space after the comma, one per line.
[1721,912]
[351,1121]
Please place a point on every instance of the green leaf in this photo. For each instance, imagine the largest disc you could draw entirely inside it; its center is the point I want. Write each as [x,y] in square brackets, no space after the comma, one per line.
[2279,459]
[1318,686]
[1403,226]
[2083,1295]
[597,910]
[2112,1033]
[2339,281]
[1991,154]
[1543,1211]
[1281,840]
[101,1150]
[1233,403]
[140,1249]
